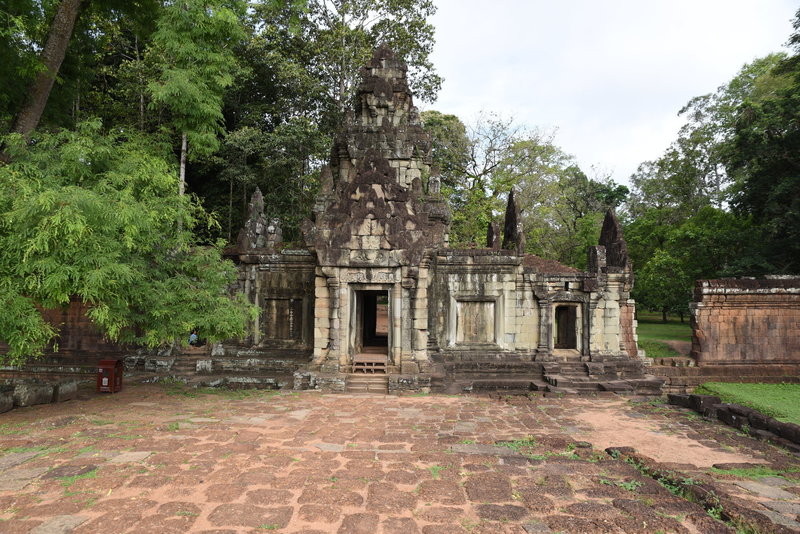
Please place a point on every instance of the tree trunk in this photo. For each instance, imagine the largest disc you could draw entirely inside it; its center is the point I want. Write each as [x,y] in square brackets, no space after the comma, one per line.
[182,175]
[52,56]
[182,181]
[664,315]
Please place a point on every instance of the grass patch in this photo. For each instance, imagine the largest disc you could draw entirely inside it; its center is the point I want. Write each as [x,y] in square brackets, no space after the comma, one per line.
[518,445]
[69,481]
[652,329]
[9,429]
[755,472]
[435,470]
[658,349]
[781,401]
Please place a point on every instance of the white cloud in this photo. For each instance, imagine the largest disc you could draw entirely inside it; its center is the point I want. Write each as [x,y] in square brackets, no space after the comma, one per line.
[610,75]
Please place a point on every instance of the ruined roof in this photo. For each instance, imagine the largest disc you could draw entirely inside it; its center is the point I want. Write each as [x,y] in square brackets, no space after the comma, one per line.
[541,265]
[372,208]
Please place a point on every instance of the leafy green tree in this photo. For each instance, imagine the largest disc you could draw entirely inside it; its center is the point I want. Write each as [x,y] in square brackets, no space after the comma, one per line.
[693,171]
[346,31]
[663,284]
[93,214]
[764,161]
[194,41]
[567,220]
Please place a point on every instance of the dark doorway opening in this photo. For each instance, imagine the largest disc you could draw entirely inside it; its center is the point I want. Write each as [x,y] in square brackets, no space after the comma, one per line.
[375,319]
[566,328]
[371,332]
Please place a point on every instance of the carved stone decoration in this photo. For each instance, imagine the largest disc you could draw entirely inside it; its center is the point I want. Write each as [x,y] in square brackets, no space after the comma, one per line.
[493,236]
[371,199]
[254,233]
[274,233]
[611,238]
[513,237]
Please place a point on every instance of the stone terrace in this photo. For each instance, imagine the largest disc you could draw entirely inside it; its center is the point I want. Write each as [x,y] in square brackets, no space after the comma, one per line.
[164,459]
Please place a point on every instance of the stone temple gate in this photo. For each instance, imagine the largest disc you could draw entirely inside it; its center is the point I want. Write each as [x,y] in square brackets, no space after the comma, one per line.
[377,298]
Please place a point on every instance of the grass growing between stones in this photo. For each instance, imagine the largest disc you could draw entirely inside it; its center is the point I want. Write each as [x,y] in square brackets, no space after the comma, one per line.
[781,401]
[756,472]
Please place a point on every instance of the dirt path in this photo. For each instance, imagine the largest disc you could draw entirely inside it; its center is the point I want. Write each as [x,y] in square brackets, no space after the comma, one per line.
[612,424]
[154,459]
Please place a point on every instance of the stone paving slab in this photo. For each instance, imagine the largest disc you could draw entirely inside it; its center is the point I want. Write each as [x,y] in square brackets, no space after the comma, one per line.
[16,479]
[766,491]
[129,457]
[63,524]
[311,463]
[16,458]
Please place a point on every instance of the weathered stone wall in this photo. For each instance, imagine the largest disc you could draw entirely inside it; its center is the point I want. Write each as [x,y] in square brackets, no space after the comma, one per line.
[480,300]
[754,321]
[79,342]
[281,284]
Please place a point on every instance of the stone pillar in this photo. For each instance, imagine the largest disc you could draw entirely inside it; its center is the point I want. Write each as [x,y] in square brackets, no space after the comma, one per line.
[545,328]
[397,323]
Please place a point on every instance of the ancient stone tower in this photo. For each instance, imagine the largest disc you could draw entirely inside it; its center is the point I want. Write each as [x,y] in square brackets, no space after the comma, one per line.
[377,220]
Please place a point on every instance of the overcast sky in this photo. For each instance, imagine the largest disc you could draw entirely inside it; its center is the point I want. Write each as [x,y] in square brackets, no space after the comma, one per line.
[609,75]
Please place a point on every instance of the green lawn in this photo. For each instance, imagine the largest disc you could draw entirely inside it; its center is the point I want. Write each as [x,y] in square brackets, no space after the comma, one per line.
[652,332]
[781,401]
[651,327]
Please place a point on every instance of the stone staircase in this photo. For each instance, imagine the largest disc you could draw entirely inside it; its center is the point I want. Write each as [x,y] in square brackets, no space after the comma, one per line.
[572,377]
[367,383]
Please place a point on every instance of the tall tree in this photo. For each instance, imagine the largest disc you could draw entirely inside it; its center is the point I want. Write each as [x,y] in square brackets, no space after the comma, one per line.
[765,163]
[194,41]
[53,52]
[346,32]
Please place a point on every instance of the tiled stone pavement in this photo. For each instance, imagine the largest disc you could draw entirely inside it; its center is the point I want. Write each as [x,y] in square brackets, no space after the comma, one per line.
[152,459]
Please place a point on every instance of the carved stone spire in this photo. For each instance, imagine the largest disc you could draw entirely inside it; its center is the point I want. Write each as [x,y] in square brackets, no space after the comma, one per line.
[493,236]
[254,233]
[513,236]
[611,238]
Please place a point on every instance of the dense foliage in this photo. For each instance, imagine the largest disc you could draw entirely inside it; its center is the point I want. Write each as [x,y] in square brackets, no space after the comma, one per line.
[724,199]
[95,215]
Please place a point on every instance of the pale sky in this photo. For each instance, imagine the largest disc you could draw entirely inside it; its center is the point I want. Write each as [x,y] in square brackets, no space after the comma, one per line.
[609,75]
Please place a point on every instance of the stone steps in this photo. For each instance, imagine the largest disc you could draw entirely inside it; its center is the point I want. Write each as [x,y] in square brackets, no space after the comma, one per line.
[364,383]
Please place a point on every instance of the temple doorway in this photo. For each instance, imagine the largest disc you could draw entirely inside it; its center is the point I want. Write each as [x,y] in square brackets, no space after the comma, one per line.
[371,343]
[566,327]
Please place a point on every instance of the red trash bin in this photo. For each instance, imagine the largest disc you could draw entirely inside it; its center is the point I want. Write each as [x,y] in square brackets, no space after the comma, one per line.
[109,376]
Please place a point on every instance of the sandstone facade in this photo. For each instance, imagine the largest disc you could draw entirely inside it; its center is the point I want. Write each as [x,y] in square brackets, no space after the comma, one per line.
[378,243]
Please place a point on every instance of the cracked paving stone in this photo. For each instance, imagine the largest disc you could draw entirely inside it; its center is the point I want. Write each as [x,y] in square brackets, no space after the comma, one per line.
[15,458]
[62,524]
[129,457]
[770,492]
[16,479]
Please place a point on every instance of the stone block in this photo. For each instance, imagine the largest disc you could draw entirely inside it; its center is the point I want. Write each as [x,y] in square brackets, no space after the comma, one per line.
[703,403]
[679,399]
[30,393]
[6,398]
[409,368]
[790,431]
[204,366]
[64,391]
